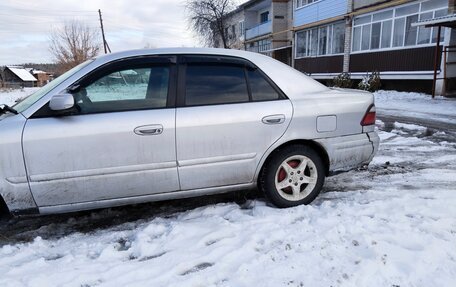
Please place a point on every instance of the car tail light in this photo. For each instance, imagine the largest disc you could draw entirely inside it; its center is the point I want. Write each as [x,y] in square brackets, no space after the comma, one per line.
[369,117]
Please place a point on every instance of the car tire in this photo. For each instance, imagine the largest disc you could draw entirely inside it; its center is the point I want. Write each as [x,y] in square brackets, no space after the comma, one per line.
[287,182]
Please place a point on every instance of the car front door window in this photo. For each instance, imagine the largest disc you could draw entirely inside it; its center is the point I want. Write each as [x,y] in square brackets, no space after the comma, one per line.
[126,89]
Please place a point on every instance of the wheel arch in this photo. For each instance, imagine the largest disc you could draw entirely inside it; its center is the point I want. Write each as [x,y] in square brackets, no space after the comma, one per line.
[310,143]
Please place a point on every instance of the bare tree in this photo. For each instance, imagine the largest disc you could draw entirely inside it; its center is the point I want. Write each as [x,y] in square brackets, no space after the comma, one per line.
[73,44]
[207,18]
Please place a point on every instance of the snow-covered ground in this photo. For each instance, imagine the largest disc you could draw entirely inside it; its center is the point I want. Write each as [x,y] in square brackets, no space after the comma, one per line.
[416,105]
[9,97]
[393,224]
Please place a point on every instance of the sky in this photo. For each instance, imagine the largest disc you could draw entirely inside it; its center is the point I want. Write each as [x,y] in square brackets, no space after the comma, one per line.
[25,25]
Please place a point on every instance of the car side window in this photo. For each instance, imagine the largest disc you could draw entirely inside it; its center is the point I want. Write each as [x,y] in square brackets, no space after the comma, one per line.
[125,89]
[208,84]
[260,88]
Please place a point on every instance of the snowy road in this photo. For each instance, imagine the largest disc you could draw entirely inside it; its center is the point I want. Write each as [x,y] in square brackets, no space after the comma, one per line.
[416,106]
[393,224]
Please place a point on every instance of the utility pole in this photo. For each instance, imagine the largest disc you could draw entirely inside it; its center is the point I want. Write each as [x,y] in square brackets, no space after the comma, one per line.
[105,44]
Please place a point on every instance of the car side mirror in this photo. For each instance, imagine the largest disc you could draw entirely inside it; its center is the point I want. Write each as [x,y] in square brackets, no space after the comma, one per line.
[61,102]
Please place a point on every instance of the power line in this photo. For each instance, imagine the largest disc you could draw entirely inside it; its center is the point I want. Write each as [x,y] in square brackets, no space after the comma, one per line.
[17,19]
[42,16]
[147,35]
[45,10]
[43,21]
[18,30]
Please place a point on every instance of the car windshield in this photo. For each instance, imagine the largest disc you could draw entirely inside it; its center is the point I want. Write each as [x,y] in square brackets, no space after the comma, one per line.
[33,98]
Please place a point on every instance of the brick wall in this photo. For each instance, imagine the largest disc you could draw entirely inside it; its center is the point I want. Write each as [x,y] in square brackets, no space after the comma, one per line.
[281,23]
[451,6]
[42,78]
[347,46]
[348,32]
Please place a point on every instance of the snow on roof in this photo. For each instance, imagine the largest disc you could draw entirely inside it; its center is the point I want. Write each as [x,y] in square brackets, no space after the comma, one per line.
[22,74]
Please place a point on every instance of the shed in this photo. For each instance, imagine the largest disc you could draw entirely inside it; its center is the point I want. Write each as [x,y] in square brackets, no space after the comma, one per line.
[15,76]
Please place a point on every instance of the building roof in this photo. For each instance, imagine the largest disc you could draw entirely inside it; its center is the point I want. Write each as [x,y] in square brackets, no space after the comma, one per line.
[248,3]
[445,21]
[38,72]
[243,6]
[22,73]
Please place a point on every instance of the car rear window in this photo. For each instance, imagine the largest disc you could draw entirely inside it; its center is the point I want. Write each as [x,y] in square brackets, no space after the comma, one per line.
[260,88]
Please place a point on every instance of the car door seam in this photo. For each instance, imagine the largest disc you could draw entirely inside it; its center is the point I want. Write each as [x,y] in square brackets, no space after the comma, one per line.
[25,162]
[175,144]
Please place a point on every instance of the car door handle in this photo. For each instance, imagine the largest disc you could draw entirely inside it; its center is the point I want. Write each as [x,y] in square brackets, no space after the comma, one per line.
[273,119]
[149,130]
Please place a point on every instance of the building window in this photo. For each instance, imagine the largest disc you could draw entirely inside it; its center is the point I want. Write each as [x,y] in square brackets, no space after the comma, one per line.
[241,28]
[264,45]
[264,17]
[321,41]
[233,32]
[301,3]
[260,46]
[393,28]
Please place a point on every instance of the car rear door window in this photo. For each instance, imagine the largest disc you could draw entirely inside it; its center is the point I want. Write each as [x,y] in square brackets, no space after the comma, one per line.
[260,88]
[208,84]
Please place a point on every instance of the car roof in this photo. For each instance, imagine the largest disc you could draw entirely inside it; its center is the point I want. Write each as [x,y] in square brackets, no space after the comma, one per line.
[183,50]
[292,82]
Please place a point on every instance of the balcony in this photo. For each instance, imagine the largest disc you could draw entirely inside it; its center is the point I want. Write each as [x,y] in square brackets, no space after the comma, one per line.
[259,30]
[320,10]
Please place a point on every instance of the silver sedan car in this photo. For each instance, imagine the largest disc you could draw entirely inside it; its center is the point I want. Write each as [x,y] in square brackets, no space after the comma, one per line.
[148,125]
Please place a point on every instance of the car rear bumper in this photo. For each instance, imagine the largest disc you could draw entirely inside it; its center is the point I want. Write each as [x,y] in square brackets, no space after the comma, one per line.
[375,141]
[349,152]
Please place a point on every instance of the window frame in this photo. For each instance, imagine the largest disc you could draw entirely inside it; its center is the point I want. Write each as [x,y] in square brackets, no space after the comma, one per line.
[117,65]
[183,60]
[330,27]
[300,3]
[241,28]
[262,21]
[262,46]
[393,18]
[233,32]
